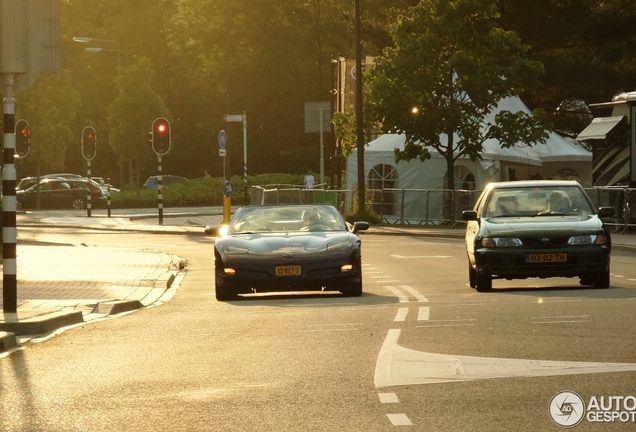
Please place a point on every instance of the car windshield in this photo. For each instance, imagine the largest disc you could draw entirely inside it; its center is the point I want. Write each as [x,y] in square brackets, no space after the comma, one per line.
[537,201]
[293,218]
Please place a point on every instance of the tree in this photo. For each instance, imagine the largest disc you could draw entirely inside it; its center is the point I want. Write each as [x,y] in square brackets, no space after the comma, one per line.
[50,106]
[131,115]
[448,68]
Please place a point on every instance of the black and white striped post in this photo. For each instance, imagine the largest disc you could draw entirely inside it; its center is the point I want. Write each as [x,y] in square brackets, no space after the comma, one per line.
[9,230]
[108,196]
[160,190]
[89,150]
[161,142]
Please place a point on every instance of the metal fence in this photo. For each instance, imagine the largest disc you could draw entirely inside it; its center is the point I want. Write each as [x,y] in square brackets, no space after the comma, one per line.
[430,206]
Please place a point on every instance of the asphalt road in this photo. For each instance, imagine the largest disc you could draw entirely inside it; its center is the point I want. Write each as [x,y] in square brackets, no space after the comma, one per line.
[419,350]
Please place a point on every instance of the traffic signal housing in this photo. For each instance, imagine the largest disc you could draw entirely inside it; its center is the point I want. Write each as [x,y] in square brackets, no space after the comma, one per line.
[161,139]
[89,143]
[22,138]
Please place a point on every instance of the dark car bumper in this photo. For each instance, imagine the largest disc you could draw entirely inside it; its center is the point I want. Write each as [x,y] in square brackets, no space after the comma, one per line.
[317,275]
[511,264]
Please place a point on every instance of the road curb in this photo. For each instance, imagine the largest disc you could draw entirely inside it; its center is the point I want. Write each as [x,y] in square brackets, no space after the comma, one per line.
[42,324]
[7,341]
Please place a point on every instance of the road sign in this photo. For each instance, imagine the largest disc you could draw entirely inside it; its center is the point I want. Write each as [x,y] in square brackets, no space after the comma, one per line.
[222,152]
[222,139]
[233,118]
[228,188]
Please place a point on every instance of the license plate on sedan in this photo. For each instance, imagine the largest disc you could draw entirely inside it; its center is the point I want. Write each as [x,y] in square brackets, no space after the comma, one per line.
[288,271]
[546,258]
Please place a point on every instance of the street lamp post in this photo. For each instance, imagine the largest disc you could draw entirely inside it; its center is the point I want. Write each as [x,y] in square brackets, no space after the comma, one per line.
[118,50]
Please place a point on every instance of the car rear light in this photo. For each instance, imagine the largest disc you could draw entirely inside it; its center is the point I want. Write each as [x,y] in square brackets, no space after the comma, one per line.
[229,271]
[346,268]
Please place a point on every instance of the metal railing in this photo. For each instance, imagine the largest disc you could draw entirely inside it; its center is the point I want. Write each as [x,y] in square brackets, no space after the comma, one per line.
[430,206]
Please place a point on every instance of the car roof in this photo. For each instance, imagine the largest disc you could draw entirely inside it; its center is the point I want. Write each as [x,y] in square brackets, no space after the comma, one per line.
[532,183]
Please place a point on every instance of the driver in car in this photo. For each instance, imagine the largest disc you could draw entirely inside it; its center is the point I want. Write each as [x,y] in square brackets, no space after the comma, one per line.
[312,221]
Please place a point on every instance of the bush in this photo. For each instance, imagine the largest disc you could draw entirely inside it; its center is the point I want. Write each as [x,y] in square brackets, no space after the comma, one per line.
[204,191]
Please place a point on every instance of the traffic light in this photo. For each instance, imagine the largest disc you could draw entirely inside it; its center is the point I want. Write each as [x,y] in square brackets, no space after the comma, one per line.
[161,136]
[22,138]
[89,142]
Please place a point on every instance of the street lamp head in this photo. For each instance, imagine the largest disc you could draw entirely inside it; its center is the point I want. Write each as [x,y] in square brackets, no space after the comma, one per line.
[93,49]
[82,39]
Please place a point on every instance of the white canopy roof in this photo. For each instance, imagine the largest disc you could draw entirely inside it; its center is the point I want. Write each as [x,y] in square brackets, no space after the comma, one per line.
[555,149]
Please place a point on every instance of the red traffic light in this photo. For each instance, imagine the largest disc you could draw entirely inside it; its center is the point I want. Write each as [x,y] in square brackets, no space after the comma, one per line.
[22,138]
[89,142]
[161,138]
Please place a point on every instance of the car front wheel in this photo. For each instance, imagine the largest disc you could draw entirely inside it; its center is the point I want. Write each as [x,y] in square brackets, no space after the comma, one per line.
[223,294]
[602,279]
[484,282]
[355,290]
[472,276]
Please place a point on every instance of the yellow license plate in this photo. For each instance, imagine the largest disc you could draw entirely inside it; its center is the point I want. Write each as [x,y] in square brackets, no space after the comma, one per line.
[546,258]
[288,271]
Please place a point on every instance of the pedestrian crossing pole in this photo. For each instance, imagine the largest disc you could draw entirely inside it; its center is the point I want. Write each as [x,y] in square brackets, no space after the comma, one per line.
[161,142]
[89,150]
[160,190]
[9,230]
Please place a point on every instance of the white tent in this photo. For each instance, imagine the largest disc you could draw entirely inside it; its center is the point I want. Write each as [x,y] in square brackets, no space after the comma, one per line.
[557,158]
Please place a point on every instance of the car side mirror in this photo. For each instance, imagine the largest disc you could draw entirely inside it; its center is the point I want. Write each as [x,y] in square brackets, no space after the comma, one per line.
[360,226]
[604,212]
[469,215]
[211,231]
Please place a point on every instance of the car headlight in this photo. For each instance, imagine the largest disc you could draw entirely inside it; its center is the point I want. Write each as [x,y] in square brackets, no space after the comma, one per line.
[501,242]
[340,245]
[231,249]
[587,239]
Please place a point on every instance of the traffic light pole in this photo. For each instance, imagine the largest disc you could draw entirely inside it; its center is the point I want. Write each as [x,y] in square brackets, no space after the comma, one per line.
[88,191]
[9,231]
[160,191]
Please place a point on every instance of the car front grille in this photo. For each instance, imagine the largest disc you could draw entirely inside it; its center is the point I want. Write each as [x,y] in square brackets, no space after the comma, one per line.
[544,241]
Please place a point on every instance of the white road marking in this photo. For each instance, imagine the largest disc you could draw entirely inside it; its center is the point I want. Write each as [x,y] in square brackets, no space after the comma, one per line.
[424,313]
[401,314]
[561,319]
[401,297]
[388,398]
[416,294]
[397,365]
[449,323]
[420,256]
[399,420]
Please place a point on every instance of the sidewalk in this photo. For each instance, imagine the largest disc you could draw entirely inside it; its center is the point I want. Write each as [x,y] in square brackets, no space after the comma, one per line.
[61,285]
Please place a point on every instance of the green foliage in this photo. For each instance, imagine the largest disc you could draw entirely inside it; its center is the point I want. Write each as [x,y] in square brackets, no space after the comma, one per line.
[204,191]
[50,106]
[448,68]
[132,112]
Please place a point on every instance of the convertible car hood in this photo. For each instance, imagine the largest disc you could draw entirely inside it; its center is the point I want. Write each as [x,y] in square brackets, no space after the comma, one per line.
[276,243]
[539,225]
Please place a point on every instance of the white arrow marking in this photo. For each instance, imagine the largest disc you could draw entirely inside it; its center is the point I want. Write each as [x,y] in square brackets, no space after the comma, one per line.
[402,366]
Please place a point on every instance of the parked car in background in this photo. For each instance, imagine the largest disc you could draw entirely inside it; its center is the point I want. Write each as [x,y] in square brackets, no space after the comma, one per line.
[166,181]
[61,193]
[541,228]
[287,248]
[26,183]
[108,186]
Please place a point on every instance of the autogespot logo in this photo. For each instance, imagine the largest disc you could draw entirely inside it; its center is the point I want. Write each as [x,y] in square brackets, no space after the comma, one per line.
[567,409]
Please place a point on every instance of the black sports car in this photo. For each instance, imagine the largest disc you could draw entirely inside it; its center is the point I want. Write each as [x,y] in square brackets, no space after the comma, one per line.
[287,248]
[539,229]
